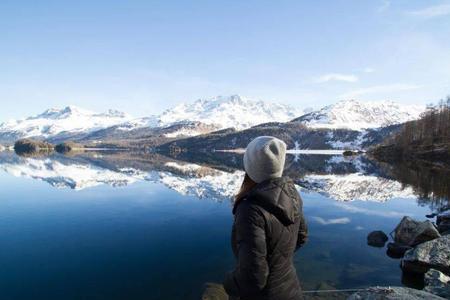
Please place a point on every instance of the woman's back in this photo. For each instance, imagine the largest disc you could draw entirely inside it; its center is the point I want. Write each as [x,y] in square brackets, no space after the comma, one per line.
[269,226]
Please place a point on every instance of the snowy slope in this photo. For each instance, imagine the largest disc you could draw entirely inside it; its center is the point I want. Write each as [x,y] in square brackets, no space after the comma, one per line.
[200,117]
[357,115]
[233,111]
[203,116]
[206,115]
[53,122]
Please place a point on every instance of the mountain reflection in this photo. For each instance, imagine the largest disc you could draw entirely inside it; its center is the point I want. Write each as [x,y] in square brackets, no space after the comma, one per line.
[217,176]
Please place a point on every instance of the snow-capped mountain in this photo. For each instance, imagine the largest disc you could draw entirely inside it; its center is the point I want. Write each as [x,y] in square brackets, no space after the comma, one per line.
[229,112]
[358,115]
[52,122]
[204,116]
[217,113]
[201,116]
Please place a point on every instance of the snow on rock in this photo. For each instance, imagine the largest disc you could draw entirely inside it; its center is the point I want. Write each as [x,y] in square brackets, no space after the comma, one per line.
[216,113]
[227,112]
[151,121]
[56,121]
[358,115]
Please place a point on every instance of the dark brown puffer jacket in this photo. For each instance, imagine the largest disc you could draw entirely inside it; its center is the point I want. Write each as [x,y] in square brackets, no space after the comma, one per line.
[268,227]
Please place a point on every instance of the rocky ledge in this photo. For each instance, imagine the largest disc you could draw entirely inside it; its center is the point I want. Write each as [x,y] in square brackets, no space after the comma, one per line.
[434,254]
[388,293]
[437,283]
[424,247]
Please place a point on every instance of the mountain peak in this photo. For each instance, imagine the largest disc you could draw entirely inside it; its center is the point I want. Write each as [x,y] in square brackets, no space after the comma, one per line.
[56,121]
[358,115]
[55,113]
[233,111]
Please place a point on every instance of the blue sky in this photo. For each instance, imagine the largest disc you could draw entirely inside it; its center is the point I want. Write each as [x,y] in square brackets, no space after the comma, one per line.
[145,56]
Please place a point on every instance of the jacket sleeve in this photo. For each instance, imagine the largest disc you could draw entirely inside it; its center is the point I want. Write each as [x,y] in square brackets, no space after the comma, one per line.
[302,230]
[252,270]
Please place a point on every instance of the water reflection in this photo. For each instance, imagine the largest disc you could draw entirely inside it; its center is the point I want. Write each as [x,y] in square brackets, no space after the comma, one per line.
[123,220]
[217,175]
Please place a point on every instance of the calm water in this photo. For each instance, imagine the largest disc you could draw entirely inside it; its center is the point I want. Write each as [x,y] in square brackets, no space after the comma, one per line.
[116,226]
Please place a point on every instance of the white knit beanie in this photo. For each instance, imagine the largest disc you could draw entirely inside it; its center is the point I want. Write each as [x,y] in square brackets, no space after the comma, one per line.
[264,158]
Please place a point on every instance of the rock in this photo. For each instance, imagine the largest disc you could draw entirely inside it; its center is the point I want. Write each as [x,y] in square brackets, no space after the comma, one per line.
[396,250]
[413,280]
[214,291]
[377,238]
[432,254]
[411,232]
[437,283]
[349,153]
[391,293]
[444,227]
[443,221]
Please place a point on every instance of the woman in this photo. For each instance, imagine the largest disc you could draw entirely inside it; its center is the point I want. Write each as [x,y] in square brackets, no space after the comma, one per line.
[268,227]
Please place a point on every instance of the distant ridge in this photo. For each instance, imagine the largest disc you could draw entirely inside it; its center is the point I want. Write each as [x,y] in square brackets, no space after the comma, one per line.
[54,121]
[203,116]
[358,115]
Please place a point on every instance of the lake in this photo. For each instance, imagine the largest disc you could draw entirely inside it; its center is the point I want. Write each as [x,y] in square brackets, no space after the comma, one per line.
[106,225]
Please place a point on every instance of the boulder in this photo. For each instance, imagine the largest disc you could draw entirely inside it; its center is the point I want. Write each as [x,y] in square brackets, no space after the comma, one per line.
[349,153]
[412,280]
[377,238]
[433,254]
[443,221]
[214,291]
[396,250]
[437,283]
[444,227]
[411,232]
[391,293]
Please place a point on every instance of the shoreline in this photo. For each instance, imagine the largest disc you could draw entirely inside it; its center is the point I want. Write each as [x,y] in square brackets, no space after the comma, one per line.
[292,151]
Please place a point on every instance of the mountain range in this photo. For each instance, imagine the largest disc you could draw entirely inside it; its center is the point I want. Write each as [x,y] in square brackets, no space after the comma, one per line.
[346,124]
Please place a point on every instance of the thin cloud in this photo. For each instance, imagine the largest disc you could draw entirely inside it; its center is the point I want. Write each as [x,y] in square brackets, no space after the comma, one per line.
[431,11]
[368,70]
[388,88]
[331,221]
[336,77]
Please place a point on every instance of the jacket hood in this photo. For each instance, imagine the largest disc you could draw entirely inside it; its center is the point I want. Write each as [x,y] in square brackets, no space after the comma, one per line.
[279,197]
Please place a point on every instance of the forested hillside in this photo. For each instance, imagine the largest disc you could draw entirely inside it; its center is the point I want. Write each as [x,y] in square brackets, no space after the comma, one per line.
[427,138]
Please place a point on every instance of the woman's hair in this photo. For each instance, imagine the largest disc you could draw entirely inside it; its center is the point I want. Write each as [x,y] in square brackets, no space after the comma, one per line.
[246,186]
